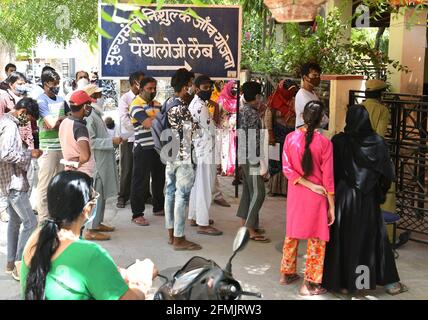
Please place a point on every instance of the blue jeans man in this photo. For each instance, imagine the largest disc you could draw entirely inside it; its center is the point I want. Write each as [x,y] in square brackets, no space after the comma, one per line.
[180,177]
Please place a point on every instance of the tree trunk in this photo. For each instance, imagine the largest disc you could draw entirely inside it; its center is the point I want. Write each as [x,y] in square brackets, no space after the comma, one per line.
[7,54]
[271,32]
[264,31]
[379,34]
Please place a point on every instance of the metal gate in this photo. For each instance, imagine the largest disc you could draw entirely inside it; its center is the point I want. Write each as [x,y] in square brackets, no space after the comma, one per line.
[407,138]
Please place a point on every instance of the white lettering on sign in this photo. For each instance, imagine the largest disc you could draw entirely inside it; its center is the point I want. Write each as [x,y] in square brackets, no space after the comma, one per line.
[179,50]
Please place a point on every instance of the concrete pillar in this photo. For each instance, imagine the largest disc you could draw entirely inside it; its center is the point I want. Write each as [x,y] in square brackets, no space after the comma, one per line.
[407,44]
[339,99]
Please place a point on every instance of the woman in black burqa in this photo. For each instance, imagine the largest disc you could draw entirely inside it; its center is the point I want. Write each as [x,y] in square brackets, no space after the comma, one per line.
[359,255]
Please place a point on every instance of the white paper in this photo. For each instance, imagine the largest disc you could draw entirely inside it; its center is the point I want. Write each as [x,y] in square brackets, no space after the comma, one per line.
[274,152]
[126,135]
[67,163]
[141,272]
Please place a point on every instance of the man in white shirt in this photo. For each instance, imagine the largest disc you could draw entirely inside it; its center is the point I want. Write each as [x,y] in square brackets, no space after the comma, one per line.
[127,133]
[206,169]
[311,76]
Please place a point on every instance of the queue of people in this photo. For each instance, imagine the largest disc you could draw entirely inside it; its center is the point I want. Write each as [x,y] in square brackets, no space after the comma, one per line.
[326,182]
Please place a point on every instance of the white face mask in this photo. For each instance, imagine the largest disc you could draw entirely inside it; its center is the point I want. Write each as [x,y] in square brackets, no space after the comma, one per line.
[100,102]
[82,83]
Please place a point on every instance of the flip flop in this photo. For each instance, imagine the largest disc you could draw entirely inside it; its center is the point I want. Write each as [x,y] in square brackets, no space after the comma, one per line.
[194,224]
[290,278]
[191,246]
[210,232]
[310,291]
[397,290]
[137,222]
[260,238]
[260,230]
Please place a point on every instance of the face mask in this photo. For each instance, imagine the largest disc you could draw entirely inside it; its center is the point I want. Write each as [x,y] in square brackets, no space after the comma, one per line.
[205,95]
[54,90]
[315,82]
[148,97]
[21,90]
[23,120]
[100,102]
[234,92]
[190,91]
[91,218]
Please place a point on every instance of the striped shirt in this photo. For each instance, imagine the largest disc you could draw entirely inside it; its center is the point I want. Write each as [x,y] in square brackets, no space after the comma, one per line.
[49,139]
[140,110]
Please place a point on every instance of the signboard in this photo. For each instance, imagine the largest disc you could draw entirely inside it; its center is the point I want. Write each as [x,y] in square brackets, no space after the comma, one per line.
[172,39]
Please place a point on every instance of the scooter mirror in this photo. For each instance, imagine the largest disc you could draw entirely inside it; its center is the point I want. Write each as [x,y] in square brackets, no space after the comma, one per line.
[241,239]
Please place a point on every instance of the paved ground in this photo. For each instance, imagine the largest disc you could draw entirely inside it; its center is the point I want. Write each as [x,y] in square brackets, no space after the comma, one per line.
[257,267]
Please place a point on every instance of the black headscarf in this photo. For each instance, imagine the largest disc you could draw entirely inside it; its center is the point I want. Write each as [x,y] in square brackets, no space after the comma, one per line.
[362,156]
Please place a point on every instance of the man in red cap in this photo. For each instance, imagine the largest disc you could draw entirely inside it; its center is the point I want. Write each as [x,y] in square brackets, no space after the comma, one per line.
[74,135]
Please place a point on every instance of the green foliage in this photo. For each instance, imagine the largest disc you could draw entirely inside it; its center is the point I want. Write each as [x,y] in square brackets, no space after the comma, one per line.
[325,45]
[24,22]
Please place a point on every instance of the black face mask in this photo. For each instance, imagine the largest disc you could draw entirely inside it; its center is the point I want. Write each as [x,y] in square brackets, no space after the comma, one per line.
[148,97]
[205,95]
[54,90]
[234,92]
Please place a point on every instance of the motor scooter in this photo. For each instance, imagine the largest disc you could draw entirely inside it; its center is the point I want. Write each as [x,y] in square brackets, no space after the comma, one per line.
[203,279]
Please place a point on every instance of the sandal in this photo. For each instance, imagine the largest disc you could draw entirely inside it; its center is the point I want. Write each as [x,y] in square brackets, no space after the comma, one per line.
[210,231]
[194,224]
[141,221]
[260,238]
[187,245]
[288,279]
[397,288]
[260,230]
[311,289]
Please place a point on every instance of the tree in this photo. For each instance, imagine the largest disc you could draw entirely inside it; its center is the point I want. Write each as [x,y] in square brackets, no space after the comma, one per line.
[24,22]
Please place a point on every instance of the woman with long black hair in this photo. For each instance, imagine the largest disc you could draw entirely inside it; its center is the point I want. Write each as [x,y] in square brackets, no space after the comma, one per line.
[308,165]
[58,265]
[359,255]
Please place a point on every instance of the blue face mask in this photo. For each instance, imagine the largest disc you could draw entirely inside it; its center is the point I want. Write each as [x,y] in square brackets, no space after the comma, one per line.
[22,89]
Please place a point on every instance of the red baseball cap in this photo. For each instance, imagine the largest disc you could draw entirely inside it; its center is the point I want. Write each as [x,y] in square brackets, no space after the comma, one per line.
[80,97]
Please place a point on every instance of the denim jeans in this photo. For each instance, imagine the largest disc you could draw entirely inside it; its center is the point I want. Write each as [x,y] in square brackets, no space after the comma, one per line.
[179,182]
[20,211]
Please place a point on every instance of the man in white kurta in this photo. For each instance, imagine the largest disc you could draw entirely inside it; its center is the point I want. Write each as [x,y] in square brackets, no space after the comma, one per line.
[206,169]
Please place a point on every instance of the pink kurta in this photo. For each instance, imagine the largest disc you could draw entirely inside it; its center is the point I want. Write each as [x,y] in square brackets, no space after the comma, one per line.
[307,210]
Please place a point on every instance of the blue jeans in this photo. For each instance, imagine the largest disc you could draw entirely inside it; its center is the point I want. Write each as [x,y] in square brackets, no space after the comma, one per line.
[20,211]
[179,182]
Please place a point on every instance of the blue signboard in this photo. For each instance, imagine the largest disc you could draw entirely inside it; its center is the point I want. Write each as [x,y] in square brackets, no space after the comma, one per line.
[208,43]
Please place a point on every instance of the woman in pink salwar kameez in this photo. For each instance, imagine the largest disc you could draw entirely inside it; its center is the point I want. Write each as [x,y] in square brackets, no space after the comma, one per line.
[308,166]
[227,103]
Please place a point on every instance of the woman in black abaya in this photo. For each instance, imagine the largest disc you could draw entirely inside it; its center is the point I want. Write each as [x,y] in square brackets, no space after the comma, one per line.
[359,255]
